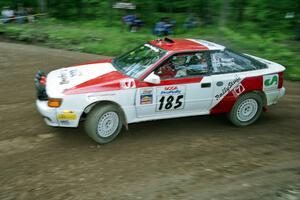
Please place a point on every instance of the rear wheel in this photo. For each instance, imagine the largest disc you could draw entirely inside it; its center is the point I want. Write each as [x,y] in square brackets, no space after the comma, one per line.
[246,110]
[104,123]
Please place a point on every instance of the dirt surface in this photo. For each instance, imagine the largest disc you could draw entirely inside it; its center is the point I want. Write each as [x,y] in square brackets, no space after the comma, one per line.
[201,157]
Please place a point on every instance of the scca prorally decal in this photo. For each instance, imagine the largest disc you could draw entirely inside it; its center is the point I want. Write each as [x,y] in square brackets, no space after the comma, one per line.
[230,85]
[170,90]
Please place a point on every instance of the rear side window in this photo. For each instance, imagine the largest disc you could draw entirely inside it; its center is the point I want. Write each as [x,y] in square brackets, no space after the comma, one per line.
[227,61]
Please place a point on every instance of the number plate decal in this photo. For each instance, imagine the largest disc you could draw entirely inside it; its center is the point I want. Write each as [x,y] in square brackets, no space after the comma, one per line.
[170,98]
[67,115]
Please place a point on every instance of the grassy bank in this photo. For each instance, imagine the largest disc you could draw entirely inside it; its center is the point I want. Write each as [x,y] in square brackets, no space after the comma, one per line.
[96,37]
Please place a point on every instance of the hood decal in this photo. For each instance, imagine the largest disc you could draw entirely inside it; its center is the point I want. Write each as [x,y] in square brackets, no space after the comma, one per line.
[62,79]
[107,82]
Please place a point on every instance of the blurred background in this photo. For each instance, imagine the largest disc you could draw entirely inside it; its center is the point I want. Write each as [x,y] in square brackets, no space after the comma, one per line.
[265,28]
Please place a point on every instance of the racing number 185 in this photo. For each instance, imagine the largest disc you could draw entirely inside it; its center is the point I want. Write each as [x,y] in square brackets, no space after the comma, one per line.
[170,102]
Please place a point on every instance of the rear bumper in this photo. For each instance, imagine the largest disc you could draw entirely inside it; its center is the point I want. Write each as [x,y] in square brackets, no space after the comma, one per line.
[281,92]
[48,113]
[274,95]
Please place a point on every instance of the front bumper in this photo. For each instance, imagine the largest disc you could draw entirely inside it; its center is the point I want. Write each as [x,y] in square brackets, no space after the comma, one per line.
[58,117]
[61,116]
[49,114]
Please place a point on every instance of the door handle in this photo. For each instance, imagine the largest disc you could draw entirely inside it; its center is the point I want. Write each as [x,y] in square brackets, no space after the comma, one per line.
[205,85]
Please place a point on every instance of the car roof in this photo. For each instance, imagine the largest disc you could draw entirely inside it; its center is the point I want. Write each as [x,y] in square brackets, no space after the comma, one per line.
[185,44]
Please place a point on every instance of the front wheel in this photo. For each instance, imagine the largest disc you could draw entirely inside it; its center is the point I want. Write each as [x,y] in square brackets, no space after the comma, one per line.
[246,110]
[104,123]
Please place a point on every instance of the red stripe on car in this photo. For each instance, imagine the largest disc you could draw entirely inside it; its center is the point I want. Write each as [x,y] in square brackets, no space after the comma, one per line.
[249,84]
[106,82]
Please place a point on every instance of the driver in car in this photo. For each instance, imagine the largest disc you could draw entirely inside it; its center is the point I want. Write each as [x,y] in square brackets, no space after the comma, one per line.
[182,66]
[168,70]
[193,65]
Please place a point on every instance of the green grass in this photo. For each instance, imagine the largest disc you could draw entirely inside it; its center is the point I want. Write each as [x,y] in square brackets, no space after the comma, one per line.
[96,37]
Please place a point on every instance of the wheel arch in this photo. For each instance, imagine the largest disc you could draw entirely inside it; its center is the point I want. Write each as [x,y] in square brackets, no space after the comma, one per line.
[259,92]
[227,104]
[88,108]
[262,94]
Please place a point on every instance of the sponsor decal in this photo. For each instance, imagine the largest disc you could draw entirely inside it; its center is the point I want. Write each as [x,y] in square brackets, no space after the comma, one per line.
[74,72]
[67,74]
[238,90]
[147,91]
[128,83]
[146,96]
[271,82]
[228,87]
[67,115]
[94,97]
[170,98]
[146,99]
[170,90]
[64,78]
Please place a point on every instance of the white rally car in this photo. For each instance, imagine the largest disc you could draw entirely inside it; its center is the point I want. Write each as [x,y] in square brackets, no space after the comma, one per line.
[162,79]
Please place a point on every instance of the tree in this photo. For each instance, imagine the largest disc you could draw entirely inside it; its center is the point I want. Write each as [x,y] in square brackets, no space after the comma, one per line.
[43,5]
[224,13]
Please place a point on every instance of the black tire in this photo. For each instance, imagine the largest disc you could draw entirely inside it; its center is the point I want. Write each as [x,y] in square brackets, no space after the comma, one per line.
[93,119]
[234,115]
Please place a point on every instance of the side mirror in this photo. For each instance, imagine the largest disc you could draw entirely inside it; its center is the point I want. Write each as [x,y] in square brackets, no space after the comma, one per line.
[152,78]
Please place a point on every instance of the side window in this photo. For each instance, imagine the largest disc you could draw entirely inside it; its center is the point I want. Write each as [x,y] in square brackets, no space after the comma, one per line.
[227,61]
[183,65]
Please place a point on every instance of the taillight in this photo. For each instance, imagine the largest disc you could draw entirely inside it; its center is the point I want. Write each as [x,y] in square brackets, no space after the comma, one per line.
[54,103]
[280,81]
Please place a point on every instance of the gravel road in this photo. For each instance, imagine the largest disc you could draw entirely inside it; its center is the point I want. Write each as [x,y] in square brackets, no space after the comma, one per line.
[202,158]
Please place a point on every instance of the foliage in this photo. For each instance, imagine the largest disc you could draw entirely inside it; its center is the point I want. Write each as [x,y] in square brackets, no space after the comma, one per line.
[264,13]
[92,36]
[258,27]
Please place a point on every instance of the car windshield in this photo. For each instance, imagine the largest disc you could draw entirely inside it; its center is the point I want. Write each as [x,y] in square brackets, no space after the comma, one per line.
[138,61]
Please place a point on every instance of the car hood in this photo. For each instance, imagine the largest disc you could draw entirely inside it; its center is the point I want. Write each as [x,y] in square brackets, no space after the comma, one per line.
[61,80]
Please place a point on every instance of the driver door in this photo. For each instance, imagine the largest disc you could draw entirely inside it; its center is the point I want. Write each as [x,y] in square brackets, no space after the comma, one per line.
[184,88]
